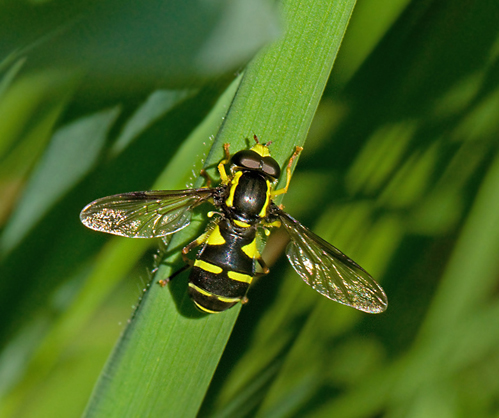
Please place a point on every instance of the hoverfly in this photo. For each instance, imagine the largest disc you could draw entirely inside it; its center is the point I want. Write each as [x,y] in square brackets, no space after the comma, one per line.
[227,260]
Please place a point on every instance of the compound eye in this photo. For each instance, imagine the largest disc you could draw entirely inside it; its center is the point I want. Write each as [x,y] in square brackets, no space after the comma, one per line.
[270,167]
[247,159]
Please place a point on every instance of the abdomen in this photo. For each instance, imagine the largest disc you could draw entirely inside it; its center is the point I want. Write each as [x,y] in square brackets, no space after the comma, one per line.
[224,268]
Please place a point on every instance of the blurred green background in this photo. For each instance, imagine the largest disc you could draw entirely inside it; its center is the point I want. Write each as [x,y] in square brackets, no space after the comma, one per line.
[400,171]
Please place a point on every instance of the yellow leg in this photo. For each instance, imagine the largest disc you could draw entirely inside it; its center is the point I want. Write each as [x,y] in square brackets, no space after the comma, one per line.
[221,165]
[188,262]
[193,244]
[288,173]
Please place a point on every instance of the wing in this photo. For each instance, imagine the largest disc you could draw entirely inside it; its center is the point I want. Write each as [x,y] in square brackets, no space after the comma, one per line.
[143,214]
[329,271]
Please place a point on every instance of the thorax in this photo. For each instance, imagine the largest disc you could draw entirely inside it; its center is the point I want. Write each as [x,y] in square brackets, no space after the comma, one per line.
[248,196]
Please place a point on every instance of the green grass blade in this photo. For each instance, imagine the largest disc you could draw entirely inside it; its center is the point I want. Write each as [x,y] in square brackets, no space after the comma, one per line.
[399,171]
[167,356]
[407,155]
[48,186]
[115,260]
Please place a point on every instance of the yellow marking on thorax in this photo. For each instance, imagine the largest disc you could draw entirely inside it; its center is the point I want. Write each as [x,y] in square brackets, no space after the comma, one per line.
[215,237]
[235,181]
[239,277]
[241,223]
[203,265]
[268,197]
[250,249]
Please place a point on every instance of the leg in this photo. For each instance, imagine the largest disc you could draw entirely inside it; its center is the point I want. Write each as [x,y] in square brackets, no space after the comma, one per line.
[164,282]
[263,265]
[221,165]
[188,262]
[196,243]
[288,173]
[206,177]
[267,225]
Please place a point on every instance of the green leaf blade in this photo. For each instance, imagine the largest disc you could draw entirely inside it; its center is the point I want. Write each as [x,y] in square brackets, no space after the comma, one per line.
[166,358]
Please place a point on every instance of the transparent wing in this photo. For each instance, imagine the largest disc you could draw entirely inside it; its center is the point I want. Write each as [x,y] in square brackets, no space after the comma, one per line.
[329,271]
[143,214]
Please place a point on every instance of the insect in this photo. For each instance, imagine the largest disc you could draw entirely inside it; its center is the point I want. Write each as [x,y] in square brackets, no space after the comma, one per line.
[226,263]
